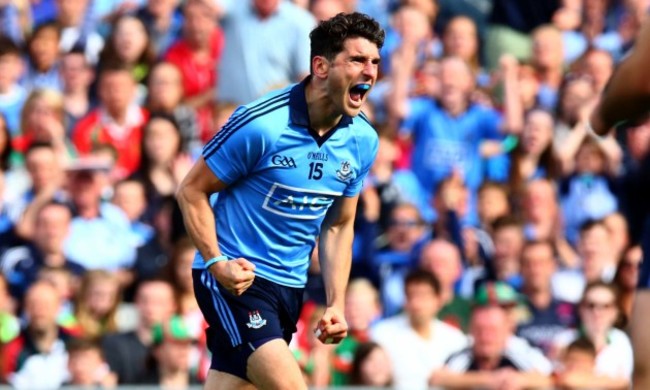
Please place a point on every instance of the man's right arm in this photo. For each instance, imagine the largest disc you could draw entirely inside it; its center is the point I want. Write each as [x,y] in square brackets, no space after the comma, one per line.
[193,198]
[627,95]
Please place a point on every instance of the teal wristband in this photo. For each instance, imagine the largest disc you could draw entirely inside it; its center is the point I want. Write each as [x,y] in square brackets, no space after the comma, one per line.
[213,260]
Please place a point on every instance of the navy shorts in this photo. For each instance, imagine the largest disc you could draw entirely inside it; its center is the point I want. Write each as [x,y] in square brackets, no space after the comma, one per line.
[238,325]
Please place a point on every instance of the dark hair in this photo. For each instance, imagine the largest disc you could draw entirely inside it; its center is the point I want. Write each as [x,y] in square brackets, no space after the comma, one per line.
[52,24]
[590,224]
[142,174]
[419,276]
[38,145]
[506,221]
[582,344]
[114,66]
[82,344]
[360,356]
[7,46]
[328,37]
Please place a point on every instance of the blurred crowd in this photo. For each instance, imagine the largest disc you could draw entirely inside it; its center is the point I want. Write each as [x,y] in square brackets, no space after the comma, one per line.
[498,243]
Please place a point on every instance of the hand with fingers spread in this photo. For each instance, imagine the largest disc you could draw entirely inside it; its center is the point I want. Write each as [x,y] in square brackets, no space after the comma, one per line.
[235,275]
[332,327]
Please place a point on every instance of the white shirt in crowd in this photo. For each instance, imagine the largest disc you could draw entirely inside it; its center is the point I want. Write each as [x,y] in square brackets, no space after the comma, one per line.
[414,358]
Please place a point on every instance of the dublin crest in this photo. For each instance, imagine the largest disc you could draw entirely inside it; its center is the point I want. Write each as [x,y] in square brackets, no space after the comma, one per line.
[345,173]
[255,320]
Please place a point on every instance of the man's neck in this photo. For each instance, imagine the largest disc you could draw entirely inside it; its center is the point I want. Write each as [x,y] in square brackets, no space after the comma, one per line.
[456,109]
[322,115]
[54,259]
[44,339]
[70,20]
[174,379]
[162,22]
[89,212]
[422,328]
[144,334]
[447,295]
[487,363]
[540,298]
[119,116]
[551,76]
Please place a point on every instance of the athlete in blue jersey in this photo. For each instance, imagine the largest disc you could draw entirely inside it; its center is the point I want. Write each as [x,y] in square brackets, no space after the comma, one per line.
[288,169]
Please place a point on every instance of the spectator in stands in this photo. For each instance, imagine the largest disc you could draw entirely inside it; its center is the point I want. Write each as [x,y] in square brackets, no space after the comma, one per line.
[5,145]
[129,44]
[37,358]
[589,193]
[577,366]
[165,96]
[371,366]
[42,120]
[570,113]
[86,365]
[21,264]
[164,22]
[599,65]
[325,9]
[443,260]
[534,156]
[76,75]
[597,252]
[406,229]
[117,119]
[492,203]
[99,235]
[626,279]
[77,28]
[460,39]
[172,343]
[362,309]
[284,53]
[96,304]
[197,55]
[47,177]
[127,353]
[546,316]
[130,197]
[416,343]
[504,265]
[598,312]
[43,55]
[548,60]
[491,361]
[163,166]
[12,94]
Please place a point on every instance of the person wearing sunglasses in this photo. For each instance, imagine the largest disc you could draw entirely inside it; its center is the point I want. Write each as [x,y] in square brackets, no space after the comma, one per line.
[598,311]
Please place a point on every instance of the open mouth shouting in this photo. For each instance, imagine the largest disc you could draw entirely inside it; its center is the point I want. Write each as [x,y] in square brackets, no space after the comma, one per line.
[357,92]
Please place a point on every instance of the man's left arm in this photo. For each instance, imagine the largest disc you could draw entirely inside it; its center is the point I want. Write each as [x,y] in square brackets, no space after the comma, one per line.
[335,254]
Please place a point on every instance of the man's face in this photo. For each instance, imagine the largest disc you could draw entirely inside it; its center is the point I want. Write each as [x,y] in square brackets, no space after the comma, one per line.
[116,90]
[537,266]
[199,23]
[155,301]
[75,72]
[422,303]
[53,223]
[352,69]
[455,82]
[490,329]
[43,167]
[42,306]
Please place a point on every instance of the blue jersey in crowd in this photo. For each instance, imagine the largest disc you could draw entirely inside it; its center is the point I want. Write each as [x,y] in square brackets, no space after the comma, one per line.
[442,142]
[282,179]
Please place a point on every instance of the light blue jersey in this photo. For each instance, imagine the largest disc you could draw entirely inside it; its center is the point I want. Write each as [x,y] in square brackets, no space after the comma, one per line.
[282,179]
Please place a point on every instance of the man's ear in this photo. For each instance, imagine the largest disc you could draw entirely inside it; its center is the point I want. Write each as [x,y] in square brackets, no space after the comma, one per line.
[320,67]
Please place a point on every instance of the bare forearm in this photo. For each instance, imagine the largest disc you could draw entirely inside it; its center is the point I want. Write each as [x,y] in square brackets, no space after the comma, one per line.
[199,221]
[335,251]
[468,380]
[627,95]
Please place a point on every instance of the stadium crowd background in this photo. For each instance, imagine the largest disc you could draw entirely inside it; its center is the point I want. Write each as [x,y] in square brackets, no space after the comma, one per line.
[489,207]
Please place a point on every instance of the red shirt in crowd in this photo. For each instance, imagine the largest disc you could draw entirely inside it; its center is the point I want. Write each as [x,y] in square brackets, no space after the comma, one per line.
[98,128]
[199,74]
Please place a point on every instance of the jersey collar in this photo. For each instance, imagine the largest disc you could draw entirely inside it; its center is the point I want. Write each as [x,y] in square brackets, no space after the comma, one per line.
[299,113]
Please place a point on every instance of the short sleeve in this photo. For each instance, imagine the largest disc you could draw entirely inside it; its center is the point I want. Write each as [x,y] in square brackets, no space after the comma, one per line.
[236,149]
[367,158]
